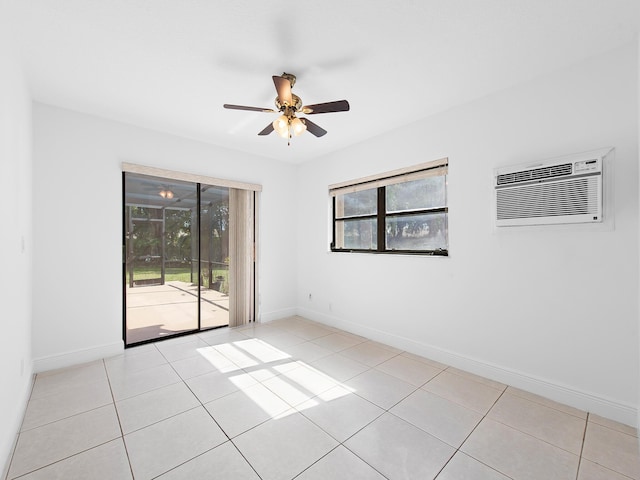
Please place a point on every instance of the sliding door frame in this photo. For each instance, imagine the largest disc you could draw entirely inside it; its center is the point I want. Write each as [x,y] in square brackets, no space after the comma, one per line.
[198,180]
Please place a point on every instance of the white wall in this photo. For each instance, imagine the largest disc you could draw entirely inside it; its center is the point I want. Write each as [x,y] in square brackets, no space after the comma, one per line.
[78,226]
[15,243]
[552,310]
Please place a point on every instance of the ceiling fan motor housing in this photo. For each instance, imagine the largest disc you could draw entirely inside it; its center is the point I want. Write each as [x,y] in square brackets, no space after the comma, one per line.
[295,100]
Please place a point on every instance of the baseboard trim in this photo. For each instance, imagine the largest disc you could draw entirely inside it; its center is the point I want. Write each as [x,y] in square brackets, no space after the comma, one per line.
[598,404]
[76,357]
[276,315]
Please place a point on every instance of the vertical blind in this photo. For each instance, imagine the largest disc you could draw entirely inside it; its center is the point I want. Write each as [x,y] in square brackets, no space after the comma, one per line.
[241,257]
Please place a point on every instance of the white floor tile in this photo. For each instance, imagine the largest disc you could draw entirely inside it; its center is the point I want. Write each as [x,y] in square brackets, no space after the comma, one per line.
[547,402]
[224,462]
[548,424]
[284,340]
[340,367]
[282,448]
[378,387]
[463,467]
[123,364]
[464,391]
[592,471]
[53,442]
[58,381]
[151,407]
[164,445]
[612,449]
[138,349]
[477,378]
[428,361]
[418,454]
[212,386]
[238,355]
[308,352]
[336,342]
[309,331]
[222,336]
[264,372]
[339,412]
[261,351]
[199,365]
[74,400]
[446,420]
[309,379]
[368,353]
[519,455]
[178,351]
[219,362]
[125,385]
[409,370]
[261,330]
[106,462]
[340,464]
[289,390]
[613,425]
[241,411]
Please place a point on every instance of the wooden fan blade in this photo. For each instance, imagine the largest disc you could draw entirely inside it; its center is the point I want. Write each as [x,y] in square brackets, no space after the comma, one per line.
[283,87]
[328,107]
[252,109]
[267,130]
[313,129]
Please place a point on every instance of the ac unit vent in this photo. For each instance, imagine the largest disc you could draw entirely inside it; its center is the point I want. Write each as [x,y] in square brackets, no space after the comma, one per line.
[573,197]
[550,192]
[535,174]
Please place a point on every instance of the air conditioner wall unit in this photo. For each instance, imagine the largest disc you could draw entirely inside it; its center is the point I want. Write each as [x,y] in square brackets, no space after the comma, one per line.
[560,191]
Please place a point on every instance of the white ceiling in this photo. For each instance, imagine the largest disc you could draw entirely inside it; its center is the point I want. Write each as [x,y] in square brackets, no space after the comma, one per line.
[170,65]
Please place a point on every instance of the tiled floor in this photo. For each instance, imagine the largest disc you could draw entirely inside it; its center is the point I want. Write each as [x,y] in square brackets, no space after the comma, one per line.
[295,399]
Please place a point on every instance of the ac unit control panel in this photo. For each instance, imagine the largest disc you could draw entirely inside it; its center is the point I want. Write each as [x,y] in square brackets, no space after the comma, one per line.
[585,166]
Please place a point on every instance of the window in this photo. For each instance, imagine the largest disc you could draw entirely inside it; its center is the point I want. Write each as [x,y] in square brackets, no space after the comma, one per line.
[404,211]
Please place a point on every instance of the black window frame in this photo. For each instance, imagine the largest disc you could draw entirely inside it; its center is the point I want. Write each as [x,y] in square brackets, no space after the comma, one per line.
[381,217]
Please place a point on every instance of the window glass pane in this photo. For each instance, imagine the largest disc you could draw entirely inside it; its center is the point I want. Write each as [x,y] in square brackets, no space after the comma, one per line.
[159,215]
[214,256]
[357,234]
[357,203]
[417,232]
[418,194]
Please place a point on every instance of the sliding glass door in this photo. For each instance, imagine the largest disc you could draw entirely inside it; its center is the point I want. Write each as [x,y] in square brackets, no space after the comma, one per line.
[214,256]
[176,267]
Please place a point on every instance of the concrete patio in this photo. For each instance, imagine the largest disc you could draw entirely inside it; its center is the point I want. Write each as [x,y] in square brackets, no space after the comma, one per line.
[157,311]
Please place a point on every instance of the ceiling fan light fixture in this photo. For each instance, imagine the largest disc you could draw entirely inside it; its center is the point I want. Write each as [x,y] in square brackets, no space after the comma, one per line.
[281,126]
[298,126]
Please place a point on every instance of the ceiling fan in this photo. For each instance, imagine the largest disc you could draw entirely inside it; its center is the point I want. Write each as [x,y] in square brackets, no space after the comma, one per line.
[288,124]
